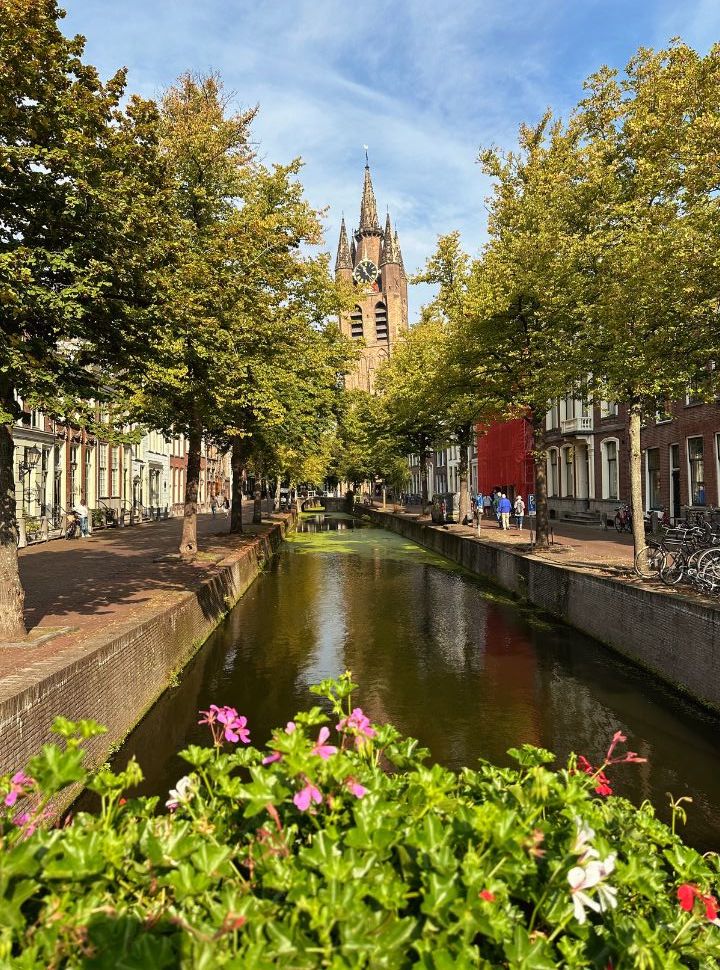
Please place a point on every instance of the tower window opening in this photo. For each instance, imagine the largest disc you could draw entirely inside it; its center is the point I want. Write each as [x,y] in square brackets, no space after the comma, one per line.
[381,326]
[356,324]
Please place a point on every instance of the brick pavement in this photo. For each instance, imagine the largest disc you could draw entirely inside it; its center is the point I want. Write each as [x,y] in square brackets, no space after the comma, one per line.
[571,544]
[92,585]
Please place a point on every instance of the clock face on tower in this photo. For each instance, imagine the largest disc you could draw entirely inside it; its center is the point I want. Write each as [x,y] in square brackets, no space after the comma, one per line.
[365,272]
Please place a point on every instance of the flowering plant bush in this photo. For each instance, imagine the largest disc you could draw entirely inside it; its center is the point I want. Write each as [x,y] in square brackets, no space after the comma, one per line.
[341,847]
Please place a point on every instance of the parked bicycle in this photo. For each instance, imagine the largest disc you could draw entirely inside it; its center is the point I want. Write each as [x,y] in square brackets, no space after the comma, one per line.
[686,553]
[72,530]
[623,519]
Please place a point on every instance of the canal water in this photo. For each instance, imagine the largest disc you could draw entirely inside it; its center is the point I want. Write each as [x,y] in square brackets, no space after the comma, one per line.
[443,656]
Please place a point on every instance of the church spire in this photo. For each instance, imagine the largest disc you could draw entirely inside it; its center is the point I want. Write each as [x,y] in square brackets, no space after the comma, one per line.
[368,206]
[343,260]
[398,254]
[387,253]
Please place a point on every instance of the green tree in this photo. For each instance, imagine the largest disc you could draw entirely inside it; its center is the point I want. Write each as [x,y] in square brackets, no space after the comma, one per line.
[520,335]
[649,286]
[83,230]
[408,415]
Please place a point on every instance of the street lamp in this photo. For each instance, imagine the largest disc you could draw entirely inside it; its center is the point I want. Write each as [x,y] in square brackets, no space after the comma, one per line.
[32,457]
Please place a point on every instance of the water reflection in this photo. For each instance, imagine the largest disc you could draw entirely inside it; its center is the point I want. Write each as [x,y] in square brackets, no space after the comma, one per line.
[443,658]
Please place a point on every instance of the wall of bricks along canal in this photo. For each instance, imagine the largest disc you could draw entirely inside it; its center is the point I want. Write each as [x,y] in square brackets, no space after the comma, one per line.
[117,679]
[673,636]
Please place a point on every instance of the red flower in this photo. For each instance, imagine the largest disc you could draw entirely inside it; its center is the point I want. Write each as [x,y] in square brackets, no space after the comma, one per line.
[687,894]
[584,765]
[487,896]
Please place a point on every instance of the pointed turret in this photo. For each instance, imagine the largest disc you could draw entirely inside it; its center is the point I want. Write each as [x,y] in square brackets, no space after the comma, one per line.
[344,259]
[398,254]
[390,249]
[368,206]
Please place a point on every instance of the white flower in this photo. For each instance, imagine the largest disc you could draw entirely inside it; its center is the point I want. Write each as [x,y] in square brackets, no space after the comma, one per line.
[591,876]
[581,846]
[183,792]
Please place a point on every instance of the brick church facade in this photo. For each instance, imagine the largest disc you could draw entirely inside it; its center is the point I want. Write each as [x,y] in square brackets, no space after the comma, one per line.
[372,263]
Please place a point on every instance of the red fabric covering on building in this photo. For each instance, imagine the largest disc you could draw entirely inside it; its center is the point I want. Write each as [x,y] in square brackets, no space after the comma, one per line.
[504,458]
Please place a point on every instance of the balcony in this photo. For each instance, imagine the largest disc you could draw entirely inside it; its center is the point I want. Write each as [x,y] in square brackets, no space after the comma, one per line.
[581,425]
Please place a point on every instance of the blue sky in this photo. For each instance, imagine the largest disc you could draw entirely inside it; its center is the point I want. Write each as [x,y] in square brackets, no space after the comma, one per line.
[425,85]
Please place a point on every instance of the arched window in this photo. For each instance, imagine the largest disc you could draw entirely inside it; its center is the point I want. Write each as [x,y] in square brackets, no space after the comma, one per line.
[381,330]
[356,324]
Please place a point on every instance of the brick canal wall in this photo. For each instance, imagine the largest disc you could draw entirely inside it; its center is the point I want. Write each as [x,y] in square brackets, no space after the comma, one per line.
[675,637]
[115,679]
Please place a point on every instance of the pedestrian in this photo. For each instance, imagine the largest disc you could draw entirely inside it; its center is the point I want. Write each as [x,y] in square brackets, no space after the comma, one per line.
[83,513]
[478,509]
[497,495]
[226,506]
[213,505]
[519,510]
[504,510]
[487,504]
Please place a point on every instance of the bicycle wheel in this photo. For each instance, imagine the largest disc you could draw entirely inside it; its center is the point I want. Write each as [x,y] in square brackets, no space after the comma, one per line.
[648,562]
[673,568]
[708,564]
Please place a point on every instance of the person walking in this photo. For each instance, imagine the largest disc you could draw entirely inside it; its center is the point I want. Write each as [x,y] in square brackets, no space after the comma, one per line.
[487,505]
[83,513]
[213,505]
[519,510]
[479,505]
[504,510]
[226,506]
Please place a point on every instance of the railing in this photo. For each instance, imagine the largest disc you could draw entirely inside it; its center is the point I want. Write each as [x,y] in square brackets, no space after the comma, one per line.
[580,425]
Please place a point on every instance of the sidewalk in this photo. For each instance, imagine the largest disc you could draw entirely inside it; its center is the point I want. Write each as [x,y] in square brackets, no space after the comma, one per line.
[93,585]
[574,545]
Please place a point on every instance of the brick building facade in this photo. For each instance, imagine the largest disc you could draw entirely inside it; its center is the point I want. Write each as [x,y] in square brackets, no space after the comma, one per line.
[587,455]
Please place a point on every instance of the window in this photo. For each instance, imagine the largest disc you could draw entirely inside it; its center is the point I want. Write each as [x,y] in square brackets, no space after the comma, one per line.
[696,468]
[356,324]
[114,471]
[693,397]
[553,472]
[568,473]
[381,327]
[610,469]
[652,459]
[102,469]
[608,409]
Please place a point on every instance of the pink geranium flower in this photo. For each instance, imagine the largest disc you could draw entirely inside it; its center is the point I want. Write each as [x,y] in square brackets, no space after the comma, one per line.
[359,725]
[355,788]
[321,749]
[20,784]
[226,722]
[306,796]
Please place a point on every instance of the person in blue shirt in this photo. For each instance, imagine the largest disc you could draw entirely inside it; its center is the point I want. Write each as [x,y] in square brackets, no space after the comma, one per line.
[504,510]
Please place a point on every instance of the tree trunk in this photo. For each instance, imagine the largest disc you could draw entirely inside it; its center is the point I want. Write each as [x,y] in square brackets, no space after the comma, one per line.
[257,502]
[542,519]
[12,595]
[188,542]
[276,499]
[424,479]
[636,502]
[237,464]
[463,466]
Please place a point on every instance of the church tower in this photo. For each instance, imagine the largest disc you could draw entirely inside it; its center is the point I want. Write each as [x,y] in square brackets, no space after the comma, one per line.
[373,264]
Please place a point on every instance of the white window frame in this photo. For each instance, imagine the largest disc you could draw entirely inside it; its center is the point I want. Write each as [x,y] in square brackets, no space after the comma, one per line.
[605,469]
[694,437]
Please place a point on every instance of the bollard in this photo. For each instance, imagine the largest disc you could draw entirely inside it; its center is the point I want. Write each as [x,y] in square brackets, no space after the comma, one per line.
[22,534]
